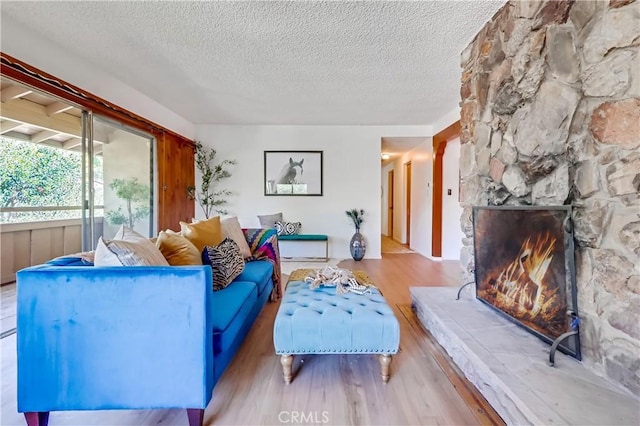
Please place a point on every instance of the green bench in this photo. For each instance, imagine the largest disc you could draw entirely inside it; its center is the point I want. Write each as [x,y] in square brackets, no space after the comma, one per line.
[287,250]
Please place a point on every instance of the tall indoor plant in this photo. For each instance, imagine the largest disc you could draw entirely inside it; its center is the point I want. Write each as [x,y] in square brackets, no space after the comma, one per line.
[206,195]
[357,246]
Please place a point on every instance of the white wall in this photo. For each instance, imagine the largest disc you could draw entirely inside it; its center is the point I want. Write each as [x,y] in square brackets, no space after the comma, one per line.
[421,159]
[452,235]
[446,120]
[351,176]
[50,58]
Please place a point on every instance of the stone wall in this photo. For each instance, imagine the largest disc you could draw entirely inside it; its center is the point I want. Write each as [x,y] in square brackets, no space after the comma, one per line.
[551,116]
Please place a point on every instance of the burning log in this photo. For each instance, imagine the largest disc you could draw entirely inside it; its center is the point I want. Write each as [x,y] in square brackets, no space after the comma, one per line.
[521,282]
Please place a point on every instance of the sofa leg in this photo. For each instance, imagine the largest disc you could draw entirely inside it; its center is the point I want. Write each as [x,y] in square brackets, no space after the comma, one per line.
[385,362]
[37,418]
[287,367]
[196,416]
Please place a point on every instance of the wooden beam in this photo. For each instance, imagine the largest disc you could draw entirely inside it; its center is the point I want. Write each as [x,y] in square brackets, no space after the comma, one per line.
[56,108]
[439,145]
[54,144]
[35,114]
[8,125]
[30,113]
[43,136]
[13,92]
[72,143]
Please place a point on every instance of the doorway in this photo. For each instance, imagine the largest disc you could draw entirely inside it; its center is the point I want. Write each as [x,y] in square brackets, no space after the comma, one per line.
[390,191]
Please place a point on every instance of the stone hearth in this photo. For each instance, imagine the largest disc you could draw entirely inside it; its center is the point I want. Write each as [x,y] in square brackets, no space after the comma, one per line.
[510,366]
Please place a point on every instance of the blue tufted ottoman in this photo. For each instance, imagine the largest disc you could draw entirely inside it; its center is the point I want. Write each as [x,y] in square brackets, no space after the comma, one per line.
[322,322]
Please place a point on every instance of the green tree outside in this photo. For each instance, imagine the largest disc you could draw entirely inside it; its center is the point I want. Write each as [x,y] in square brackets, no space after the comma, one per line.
[132,192]
[33,175]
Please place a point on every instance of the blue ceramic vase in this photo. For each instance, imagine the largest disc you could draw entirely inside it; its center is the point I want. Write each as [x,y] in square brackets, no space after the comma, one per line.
[358,245]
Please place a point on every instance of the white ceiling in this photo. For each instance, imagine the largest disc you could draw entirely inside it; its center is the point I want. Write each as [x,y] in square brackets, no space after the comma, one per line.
[334,63]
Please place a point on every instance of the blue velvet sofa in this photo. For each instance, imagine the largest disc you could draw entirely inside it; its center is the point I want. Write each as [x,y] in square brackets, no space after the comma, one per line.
[95,338]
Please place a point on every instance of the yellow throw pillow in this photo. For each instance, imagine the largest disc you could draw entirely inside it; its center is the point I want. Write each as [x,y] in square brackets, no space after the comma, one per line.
[204,233]
[178,250]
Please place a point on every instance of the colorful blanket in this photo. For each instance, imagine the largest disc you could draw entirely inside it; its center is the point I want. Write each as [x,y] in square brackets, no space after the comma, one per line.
[264,246]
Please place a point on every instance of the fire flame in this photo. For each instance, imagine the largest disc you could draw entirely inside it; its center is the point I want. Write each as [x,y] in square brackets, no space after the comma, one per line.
[522,281]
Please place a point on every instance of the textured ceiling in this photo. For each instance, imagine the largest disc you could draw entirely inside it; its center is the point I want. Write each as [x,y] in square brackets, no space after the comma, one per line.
[351,63]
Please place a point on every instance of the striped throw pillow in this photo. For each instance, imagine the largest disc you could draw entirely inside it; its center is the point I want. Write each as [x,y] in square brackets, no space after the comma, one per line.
[226,262]
[128,253]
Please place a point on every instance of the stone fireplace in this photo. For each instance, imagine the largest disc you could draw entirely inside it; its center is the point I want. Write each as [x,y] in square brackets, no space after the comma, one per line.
[550,115]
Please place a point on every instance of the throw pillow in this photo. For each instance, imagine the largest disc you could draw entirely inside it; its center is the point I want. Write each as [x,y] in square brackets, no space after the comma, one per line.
[269,220]
[231,229]
[226,262]
[87,257]
[128,253]
[288,228]
[178,250]
[204,233]
[77,259]
[125,233]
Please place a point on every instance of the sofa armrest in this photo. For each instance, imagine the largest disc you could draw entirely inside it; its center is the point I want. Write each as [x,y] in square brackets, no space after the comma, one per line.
[114,337]
[264,246]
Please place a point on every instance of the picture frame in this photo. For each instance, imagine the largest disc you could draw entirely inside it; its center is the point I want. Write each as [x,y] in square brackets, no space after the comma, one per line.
[293,173]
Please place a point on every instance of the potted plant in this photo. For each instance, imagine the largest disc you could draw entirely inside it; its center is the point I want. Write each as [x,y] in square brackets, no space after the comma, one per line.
[357,245]
[210,200]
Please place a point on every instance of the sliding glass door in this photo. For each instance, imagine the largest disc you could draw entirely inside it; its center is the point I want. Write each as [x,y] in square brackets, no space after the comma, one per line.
[118,180]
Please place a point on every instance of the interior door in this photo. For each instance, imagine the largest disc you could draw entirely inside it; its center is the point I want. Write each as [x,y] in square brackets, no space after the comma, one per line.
[176,172]
[390,186]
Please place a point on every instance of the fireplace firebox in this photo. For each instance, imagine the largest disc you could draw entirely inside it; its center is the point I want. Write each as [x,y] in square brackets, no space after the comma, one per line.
[524,269]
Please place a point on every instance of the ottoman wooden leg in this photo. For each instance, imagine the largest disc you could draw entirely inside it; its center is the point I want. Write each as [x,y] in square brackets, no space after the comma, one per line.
[385,362]
[287,364]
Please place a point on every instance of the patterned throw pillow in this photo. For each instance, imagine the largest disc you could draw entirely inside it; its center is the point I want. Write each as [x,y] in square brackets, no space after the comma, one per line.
[288,228]
[226,262]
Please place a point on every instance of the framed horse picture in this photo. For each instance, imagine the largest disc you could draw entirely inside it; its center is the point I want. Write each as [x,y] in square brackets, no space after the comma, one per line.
[293,173]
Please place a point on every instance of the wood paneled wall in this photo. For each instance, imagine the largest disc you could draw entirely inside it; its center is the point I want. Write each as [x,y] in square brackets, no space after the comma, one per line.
[176,173]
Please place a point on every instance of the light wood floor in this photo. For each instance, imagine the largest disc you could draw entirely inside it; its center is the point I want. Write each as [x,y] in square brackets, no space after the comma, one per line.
[391,246]
[424,389]
[7,308]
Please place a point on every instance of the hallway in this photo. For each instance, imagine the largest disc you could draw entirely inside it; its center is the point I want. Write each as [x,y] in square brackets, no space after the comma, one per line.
[390,246]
